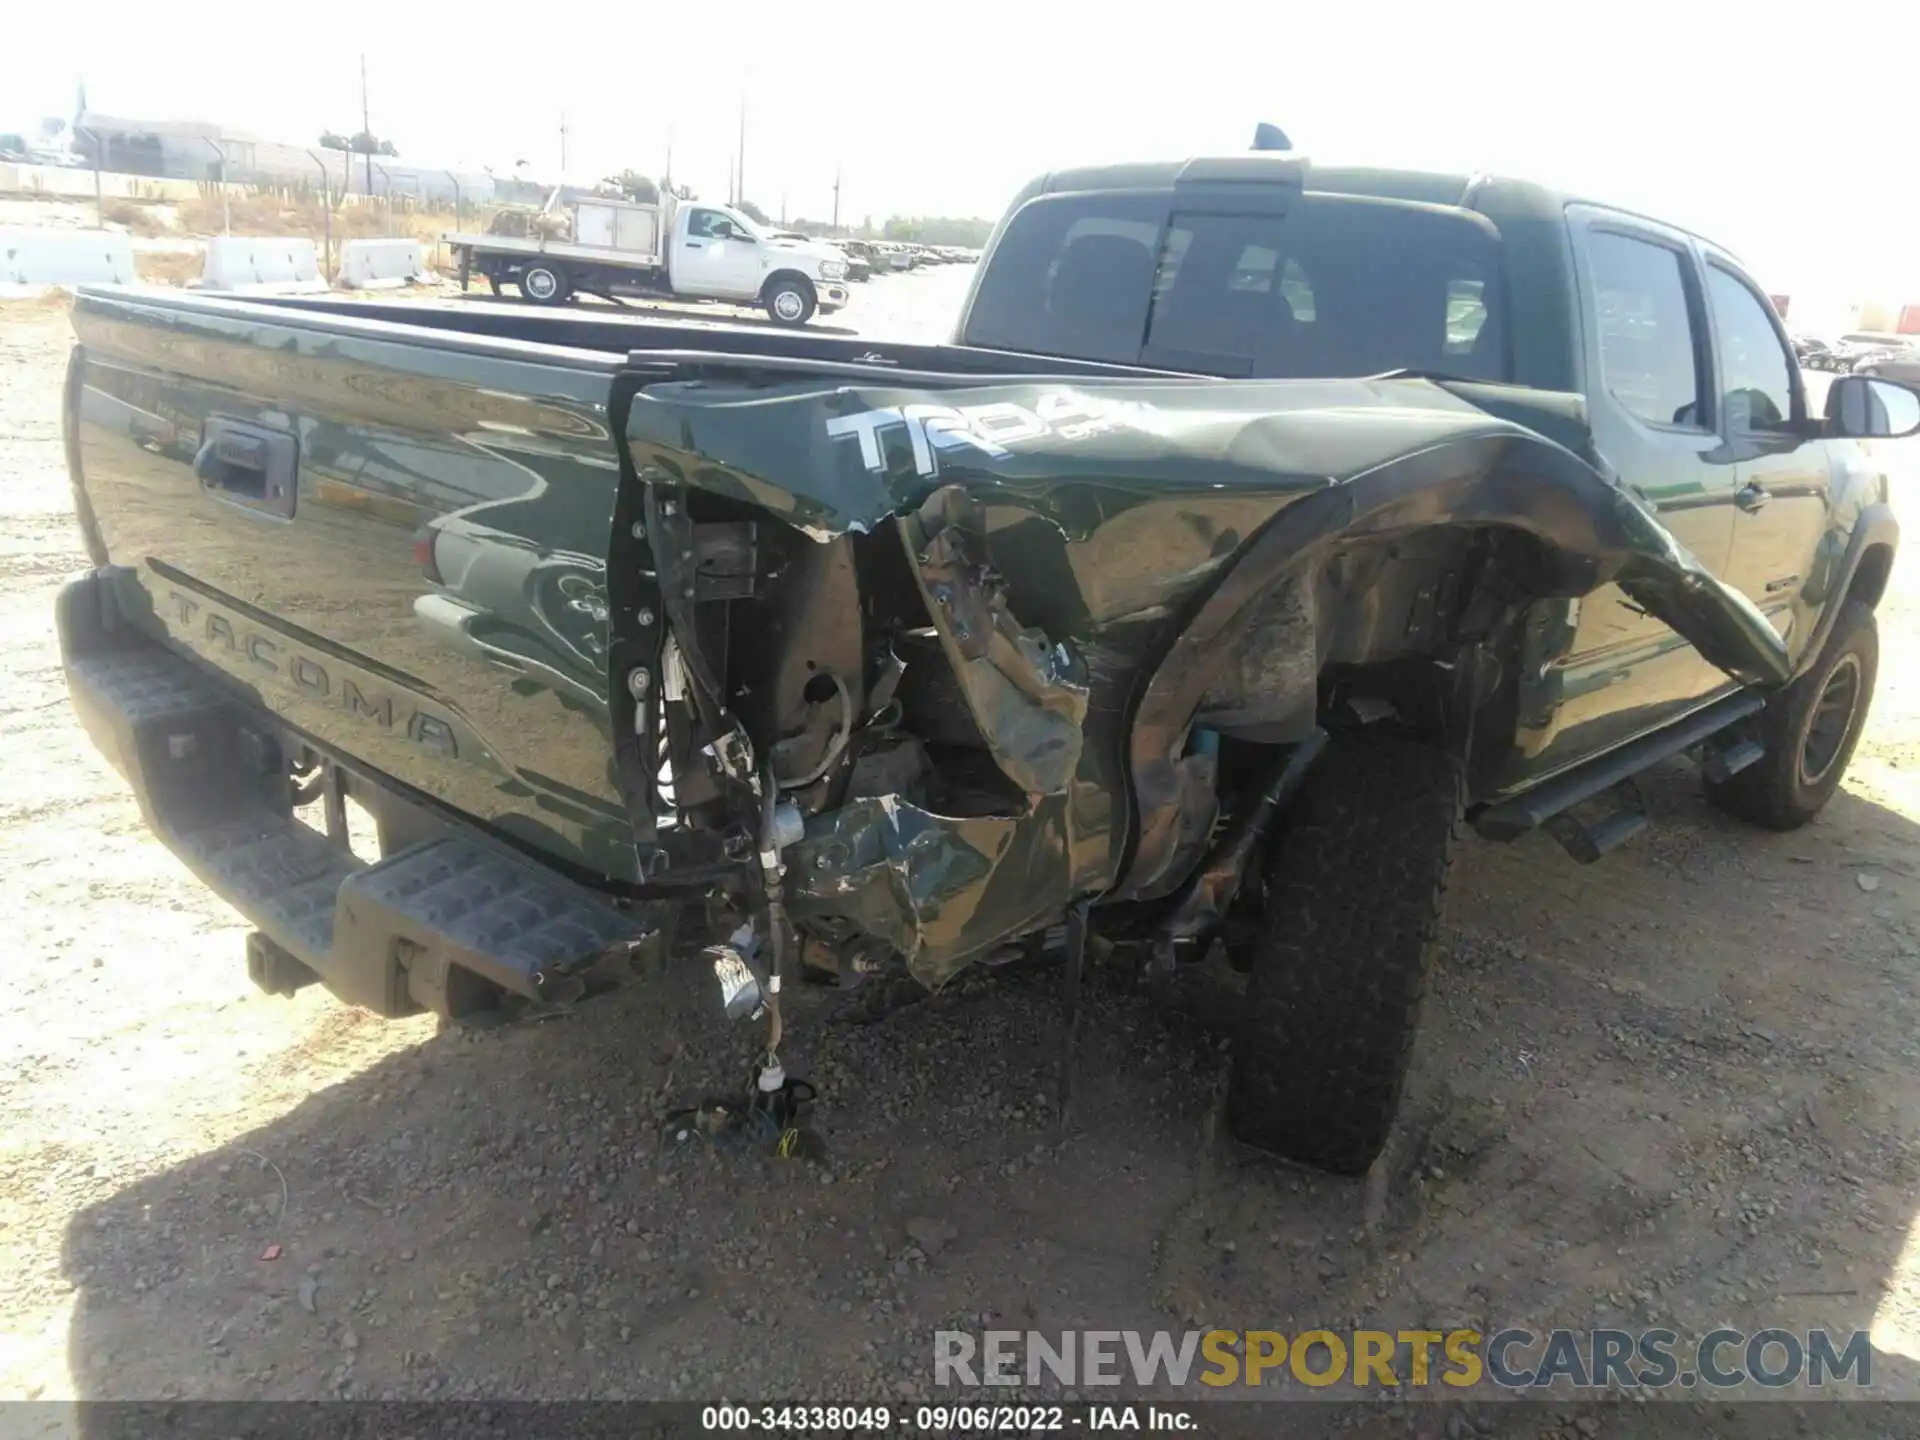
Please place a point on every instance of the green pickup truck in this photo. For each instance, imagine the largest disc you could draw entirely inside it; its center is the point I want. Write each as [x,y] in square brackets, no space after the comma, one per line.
[1264,524]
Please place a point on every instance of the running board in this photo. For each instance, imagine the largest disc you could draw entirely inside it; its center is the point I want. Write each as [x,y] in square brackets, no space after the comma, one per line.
[1722,758]
[410,932]
[1510,819]
[1587,840]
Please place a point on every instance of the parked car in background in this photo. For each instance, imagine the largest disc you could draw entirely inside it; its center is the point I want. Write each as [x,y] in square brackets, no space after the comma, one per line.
[1813,354]
[1863,347]
[860,253]
[857,268]
[1902,364]
[859,264]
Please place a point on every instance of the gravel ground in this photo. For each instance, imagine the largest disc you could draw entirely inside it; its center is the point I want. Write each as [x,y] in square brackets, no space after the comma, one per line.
[1678,1087]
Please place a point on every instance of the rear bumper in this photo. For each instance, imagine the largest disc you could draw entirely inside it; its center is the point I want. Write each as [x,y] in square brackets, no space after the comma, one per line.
[443,923]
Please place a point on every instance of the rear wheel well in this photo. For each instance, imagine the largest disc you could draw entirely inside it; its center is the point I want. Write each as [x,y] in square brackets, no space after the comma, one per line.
[1436,620]
[1870,577]
[1435,623]
[1428,627]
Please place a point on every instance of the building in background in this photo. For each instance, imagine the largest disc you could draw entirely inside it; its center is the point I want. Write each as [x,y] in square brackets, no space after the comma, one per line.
[198,150]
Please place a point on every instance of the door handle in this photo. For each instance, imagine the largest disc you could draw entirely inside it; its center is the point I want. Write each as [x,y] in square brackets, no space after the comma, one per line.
[1751,496]
[693,245]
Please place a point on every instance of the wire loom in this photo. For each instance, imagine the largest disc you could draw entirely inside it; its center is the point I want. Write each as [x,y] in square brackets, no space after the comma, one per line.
[769,1120]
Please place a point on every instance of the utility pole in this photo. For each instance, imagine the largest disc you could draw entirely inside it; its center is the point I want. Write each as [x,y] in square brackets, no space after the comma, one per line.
[666,179]
[740,169]
[783,207]
[563,145]
[366,125]
[729,180]
[836,199]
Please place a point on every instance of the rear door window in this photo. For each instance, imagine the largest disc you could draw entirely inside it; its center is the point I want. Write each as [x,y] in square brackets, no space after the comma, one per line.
[1649,349]
[1073,276]
[1333,286]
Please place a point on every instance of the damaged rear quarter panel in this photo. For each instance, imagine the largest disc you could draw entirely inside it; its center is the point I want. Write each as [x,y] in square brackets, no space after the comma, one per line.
[1065,535]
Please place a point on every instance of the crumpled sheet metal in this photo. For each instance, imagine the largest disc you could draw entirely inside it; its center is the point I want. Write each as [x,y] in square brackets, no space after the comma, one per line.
[940,889]
[1268,474]
[1028,693]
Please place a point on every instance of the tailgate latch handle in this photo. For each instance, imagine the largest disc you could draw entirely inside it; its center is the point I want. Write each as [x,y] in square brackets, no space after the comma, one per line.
[249,465]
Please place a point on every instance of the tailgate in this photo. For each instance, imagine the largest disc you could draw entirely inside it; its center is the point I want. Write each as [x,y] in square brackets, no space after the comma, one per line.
[394,537]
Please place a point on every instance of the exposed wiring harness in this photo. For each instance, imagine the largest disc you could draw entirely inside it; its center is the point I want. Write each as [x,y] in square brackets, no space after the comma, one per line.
[774,894]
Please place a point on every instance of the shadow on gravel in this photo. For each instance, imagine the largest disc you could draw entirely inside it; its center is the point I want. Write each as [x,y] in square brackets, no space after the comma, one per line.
[1672,1089]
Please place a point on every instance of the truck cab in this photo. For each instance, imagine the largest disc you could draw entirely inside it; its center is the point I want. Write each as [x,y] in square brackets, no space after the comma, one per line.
[719,253]
[1646,350]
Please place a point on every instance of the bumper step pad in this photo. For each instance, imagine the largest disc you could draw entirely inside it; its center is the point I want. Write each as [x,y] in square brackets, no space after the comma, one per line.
[455,902]
[407,933]
[281,875]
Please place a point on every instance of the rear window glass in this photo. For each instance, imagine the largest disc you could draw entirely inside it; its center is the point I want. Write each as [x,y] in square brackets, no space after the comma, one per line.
[1333,286]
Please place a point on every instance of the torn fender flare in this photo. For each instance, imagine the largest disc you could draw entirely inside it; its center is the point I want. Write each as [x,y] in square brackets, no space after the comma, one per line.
[1595,530]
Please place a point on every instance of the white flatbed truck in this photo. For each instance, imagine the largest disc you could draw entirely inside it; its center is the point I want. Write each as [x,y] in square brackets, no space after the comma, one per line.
[676,249]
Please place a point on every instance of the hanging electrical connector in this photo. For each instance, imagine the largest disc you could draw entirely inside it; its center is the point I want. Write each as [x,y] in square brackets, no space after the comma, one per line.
[774,836]
[751,966]
[775,1101]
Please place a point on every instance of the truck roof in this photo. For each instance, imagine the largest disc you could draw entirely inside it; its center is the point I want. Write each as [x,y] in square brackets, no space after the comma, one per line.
[1518,198]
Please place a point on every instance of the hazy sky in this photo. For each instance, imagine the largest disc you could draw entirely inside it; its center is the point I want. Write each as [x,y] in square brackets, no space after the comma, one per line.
[1789,133]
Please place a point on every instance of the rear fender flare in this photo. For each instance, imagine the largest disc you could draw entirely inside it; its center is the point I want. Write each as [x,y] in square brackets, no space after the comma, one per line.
[1588,531]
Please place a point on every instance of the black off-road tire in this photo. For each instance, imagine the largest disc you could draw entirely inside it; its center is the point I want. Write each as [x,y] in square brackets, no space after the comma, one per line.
[1809,730]
[789,300]
[545,284]
[1354,893]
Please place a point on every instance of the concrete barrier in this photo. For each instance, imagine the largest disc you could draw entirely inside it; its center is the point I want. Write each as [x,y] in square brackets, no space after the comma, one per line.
[381,264]
[280,265]
[36,257]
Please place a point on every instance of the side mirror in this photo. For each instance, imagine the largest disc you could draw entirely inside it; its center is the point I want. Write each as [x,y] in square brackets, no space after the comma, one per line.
[1867,407]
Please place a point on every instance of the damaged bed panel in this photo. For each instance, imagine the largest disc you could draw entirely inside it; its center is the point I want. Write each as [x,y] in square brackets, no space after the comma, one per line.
[1107,563]
[1080,457]
[941,889]
[1028,694]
